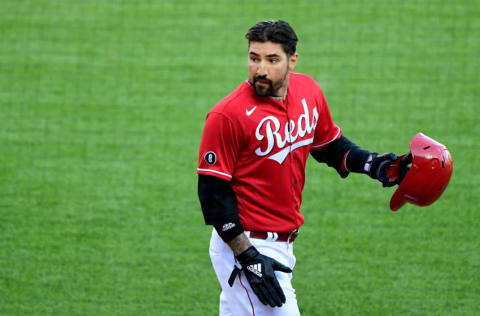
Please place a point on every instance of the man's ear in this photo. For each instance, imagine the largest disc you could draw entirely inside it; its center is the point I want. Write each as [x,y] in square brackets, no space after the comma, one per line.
[292,61]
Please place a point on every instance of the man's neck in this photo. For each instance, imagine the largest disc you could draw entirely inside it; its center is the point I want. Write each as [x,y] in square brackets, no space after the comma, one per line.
[284,89]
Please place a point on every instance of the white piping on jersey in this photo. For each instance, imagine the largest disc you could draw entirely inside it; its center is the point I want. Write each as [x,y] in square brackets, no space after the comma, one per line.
[282,154]
[335,137]
[215,171]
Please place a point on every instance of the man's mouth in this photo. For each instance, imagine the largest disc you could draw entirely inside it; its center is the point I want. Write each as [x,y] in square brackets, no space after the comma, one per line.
[262,81]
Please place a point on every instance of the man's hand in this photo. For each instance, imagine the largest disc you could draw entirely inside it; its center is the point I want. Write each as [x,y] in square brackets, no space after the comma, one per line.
[260,273]
[378,167]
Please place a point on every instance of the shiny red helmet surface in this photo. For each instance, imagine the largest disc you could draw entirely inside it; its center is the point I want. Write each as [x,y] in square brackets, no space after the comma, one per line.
[428,175]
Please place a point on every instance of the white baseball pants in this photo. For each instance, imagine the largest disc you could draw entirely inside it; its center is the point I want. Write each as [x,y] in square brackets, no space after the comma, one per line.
[239,300]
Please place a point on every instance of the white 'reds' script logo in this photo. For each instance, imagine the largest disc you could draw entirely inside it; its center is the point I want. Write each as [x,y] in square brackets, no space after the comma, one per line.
[272,129]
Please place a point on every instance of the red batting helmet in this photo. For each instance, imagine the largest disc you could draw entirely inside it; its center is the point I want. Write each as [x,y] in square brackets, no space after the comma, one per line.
[428,175]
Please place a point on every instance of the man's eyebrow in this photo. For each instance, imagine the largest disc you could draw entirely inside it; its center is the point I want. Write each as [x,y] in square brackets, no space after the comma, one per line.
[269,55]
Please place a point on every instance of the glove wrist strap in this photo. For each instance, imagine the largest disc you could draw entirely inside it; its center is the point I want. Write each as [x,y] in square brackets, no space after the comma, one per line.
[368,164]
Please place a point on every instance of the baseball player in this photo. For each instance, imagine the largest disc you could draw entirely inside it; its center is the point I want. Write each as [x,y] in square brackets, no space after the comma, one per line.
[251,169]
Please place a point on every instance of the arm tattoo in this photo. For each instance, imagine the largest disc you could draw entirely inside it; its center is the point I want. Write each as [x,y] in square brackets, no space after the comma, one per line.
[239,244]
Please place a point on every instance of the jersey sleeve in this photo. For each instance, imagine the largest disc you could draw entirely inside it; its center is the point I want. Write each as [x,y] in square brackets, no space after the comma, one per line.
[326,131]
[218,148]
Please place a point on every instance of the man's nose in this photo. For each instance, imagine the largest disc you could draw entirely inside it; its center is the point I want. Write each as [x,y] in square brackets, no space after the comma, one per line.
[262,69]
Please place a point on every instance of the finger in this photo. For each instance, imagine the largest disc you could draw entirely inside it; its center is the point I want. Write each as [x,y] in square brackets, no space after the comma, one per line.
[274,299]
[277,266]
[266,296]
[392,156]
[389,184]
[382,171]
[388,156]
[279,290]
[260,293]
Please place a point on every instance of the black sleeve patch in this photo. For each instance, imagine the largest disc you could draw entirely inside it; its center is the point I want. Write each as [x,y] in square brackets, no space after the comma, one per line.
[210,158]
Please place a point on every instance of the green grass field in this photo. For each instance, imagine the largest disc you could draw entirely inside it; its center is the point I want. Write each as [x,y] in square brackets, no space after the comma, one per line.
[102,105]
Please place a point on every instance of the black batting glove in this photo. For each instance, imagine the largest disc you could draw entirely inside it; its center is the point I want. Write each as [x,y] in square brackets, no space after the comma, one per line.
[379,165]
[259,271]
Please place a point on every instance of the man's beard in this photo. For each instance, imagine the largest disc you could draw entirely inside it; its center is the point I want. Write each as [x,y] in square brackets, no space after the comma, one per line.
[264,90]
[268,88]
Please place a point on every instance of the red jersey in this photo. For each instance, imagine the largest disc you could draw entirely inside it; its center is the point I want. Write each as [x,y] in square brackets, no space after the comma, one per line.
[261,145]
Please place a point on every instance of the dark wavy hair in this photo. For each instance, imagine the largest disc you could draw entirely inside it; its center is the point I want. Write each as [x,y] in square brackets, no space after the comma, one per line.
[277,31]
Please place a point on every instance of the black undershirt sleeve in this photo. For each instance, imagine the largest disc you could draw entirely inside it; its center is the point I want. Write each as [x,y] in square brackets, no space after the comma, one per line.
[334,154]
[219,206]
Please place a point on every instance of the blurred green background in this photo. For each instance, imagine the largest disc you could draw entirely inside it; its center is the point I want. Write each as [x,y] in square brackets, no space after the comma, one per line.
[102,105]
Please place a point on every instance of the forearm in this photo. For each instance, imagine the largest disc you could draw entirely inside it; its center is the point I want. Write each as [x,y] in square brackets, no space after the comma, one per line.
[239,244]
[344,156]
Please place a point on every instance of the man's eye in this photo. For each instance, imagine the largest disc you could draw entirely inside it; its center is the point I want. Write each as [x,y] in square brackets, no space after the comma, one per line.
[274,61]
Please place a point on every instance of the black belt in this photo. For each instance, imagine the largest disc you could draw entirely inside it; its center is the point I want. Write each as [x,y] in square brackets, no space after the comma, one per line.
[283,236]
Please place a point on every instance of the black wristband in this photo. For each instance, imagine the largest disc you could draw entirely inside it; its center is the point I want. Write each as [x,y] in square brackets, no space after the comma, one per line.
[228,231]
[356,160]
